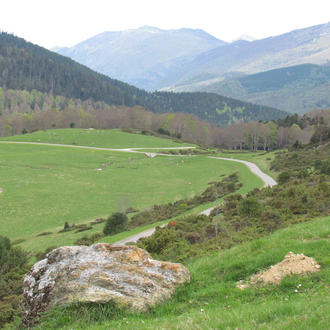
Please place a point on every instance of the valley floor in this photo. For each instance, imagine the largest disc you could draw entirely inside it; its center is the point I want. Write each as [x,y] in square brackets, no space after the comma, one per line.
[47,183]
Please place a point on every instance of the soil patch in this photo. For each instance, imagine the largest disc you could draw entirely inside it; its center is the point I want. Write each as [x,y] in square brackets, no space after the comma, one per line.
[293,264]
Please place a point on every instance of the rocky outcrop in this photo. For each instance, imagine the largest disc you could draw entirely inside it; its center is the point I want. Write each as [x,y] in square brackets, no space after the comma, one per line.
[126,275]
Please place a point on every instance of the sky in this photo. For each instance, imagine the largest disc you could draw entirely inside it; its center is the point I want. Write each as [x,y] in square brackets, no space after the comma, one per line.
[50,23]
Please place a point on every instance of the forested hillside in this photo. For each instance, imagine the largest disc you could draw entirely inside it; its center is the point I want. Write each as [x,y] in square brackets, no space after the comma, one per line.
[24,66]
[297,89]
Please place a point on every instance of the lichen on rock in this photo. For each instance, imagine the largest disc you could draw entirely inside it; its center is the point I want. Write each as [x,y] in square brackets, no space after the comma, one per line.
[125,275]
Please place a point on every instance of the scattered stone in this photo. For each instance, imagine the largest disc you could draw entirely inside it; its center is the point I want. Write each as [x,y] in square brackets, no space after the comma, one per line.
[150,154]
[293,264]
[1,191]
[125,275]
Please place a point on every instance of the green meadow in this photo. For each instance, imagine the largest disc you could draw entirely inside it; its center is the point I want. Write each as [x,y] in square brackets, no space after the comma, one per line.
[212,300]
[46,186]
[113,138]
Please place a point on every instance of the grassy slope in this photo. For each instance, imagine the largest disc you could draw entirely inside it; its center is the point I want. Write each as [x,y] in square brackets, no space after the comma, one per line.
[96,138]
[245,176]
[212,300]
[45,186]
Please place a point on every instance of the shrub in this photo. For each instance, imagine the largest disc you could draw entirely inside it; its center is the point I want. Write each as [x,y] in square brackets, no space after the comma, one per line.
[88,240]
[163,131]
[318,164]
[160,240]
[284,177]
[250,207]
[115,223]
[83,228]
[325,169]
[13,265]
[97,221]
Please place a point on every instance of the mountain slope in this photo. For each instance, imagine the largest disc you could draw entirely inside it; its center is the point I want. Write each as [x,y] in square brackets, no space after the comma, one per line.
[309,45]
[141,56]
[26,66]
[296,89]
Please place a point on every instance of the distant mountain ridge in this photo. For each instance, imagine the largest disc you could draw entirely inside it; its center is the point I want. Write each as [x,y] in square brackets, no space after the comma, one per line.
[308,45]
[141,56]
[296,89]
[24,66]
[181,60]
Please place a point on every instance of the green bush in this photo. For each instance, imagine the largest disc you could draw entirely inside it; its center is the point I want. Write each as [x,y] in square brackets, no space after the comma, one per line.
[325,169]
[13,265]
[88,240]
[250,207]
[115,223]
[284,177]
[318,164]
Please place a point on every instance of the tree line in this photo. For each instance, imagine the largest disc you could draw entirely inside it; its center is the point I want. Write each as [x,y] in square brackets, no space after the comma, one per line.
[26,112]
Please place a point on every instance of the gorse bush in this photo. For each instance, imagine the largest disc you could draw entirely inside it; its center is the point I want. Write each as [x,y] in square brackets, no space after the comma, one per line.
[250,207]
[284,177]
[115,223]
[13,265]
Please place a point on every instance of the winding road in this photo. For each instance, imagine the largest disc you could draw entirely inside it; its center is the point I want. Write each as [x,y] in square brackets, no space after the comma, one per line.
[135,150]
[268,181]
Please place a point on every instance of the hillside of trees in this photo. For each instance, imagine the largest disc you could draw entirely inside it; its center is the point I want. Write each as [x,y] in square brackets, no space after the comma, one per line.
[25,66]
[295,89]
[25,112]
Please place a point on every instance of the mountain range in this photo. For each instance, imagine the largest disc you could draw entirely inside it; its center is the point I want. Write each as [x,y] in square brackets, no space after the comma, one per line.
[25,66]
[141,57]
[185,59]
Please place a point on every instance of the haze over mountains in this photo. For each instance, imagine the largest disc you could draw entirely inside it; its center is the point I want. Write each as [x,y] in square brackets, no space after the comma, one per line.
[309,45]
[142,57]
[184,59]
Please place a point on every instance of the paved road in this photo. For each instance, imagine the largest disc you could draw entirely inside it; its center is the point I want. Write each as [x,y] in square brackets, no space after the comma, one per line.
[136,237]
[268,182]
[135,150]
